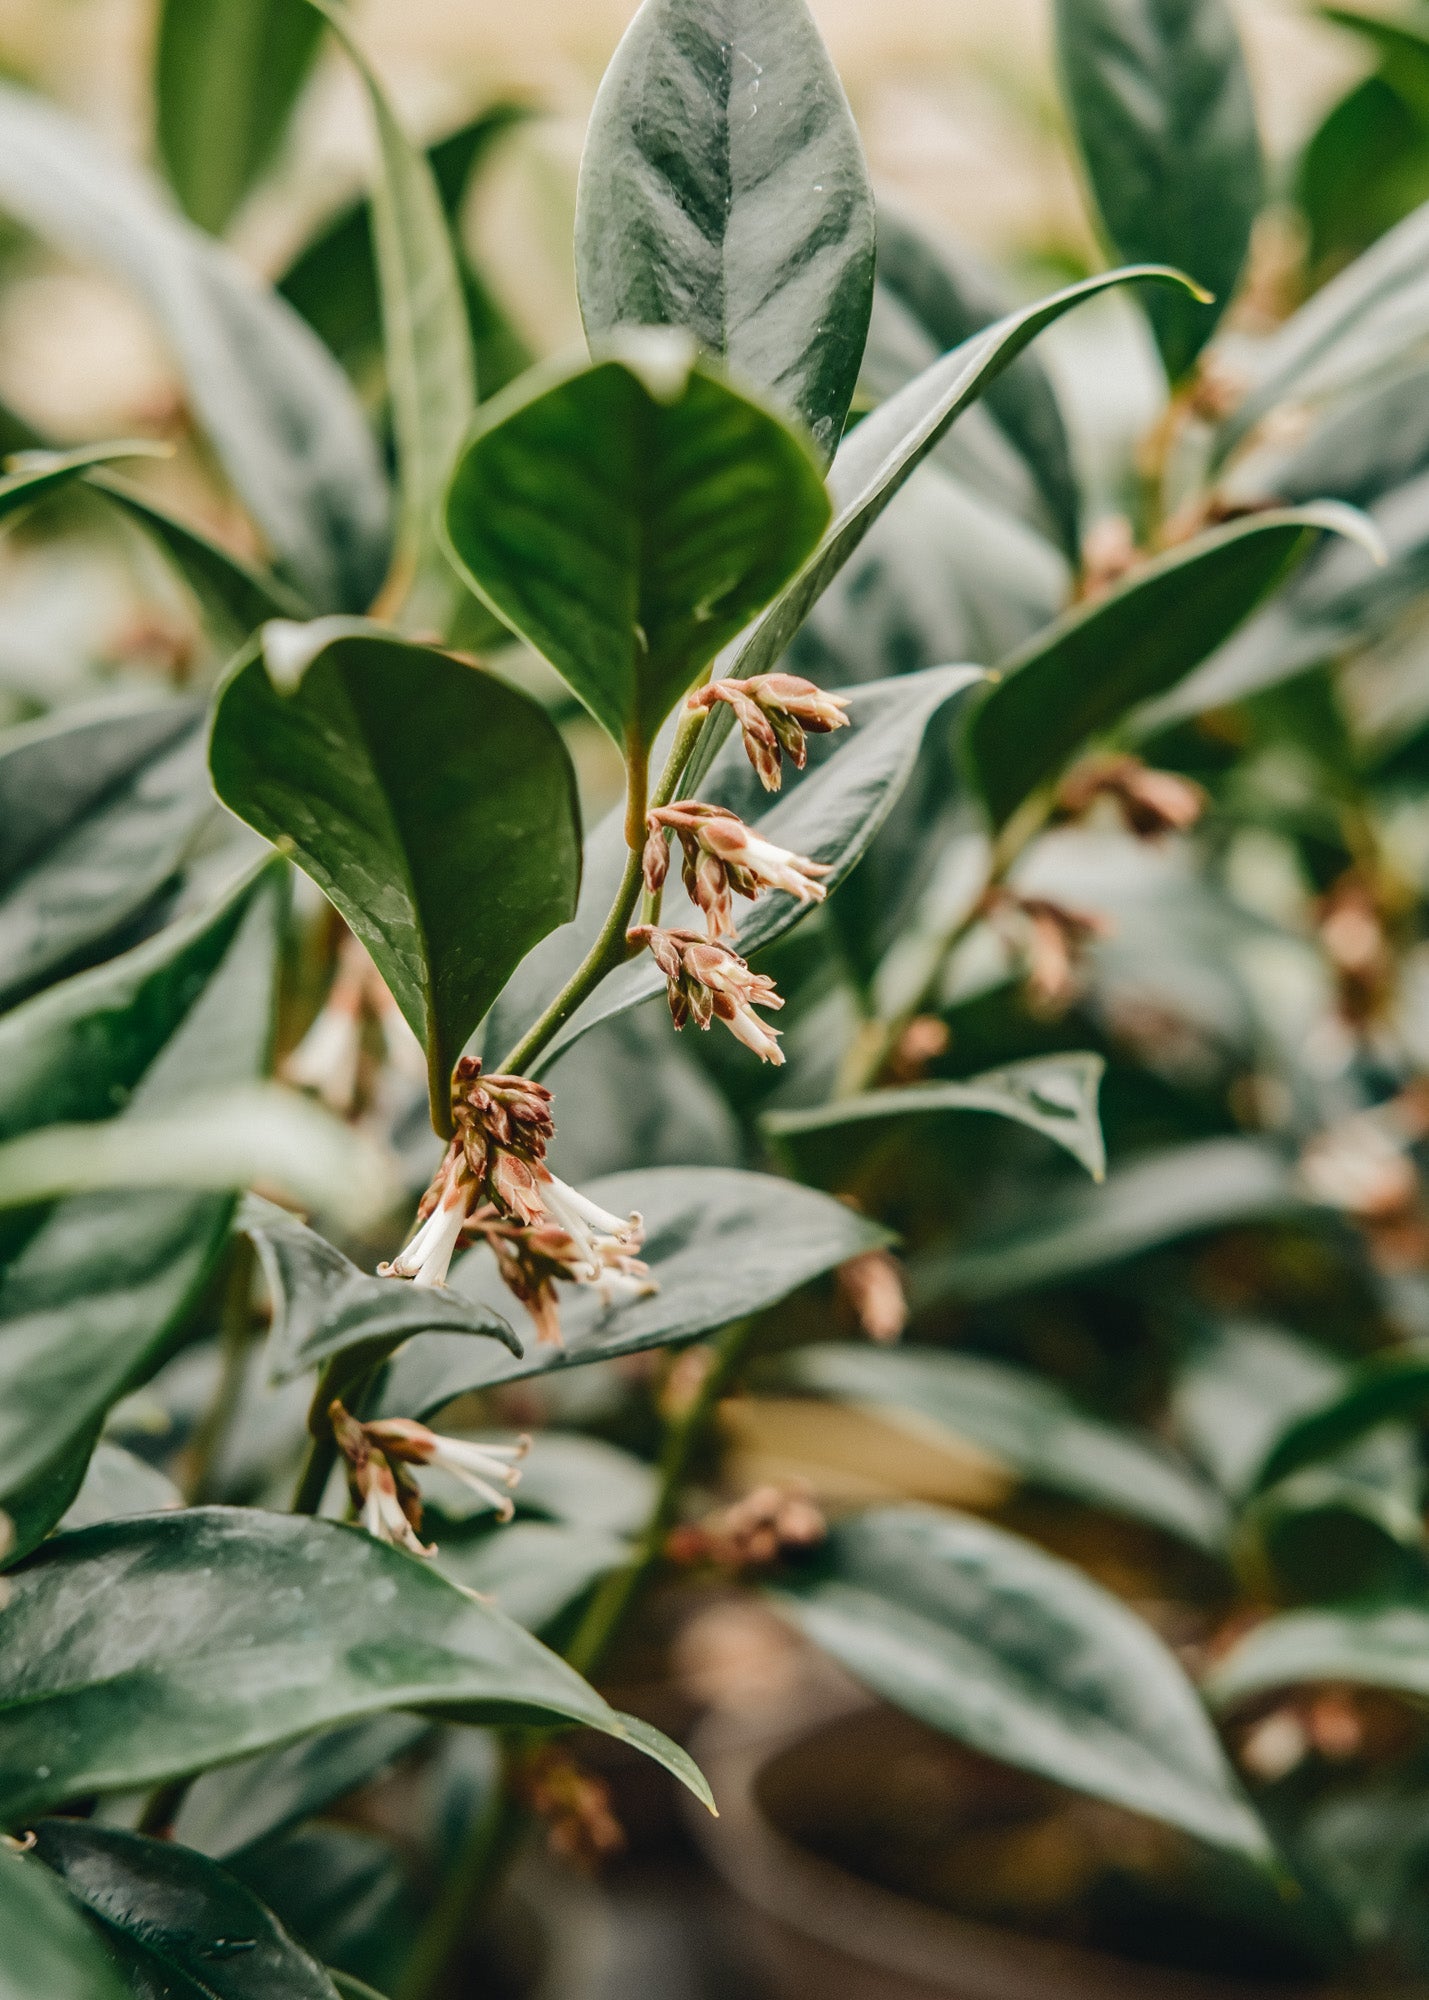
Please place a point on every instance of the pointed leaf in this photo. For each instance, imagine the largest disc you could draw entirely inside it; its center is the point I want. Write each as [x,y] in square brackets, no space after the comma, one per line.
[50,1953]
[324,1306]
[629,519]
[39,473]
[1164,116]
[97,810]
[434,804]
[1055,1095]
[1389,1386]
[276,405]
[242,1631]
[95,1294]
[430,370]
[117,1484]
[176,1923]
[534,1571]
[723,189]
[227,74]
[882,453]
[1380,1645]
[1025,1422]
[1023,1658]
[1103,659]
[720,1244]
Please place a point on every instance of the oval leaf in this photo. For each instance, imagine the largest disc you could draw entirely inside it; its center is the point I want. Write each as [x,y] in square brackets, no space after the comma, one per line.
[723,189]
[434,804]
[1055,1095]
[630,519]
[1103,659]
[1164,116]
[176,1923]
[719,1243]
[242,1631]
[980,1634]
[1383,1645]
[50,1952]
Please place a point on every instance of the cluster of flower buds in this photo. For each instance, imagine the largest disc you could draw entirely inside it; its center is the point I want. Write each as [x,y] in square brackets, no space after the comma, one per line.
[494,1186]
[723,855]
[379,1457]
[1052,936]
[756,1532]
[329,1058]
[1151,803]
[707,981]
[580,1821]
[775,713]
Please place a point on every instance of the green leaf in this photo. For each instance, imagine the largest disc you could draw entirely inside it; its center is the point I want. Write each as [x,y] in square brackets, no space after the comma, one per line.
[1027,1423]
[97,809]
[882,453]
[1382,1645]
[1165,120]
[1242,1384]
[629,519]
[353,1989]
[275,404]
[35,1511]
[243,1631]
[50,1952]
[234,1808]
[345,1892]
[1021,1657]
[1055,1095]
[534,1571]
[720,1244]
[830,813]
[1103,659]
[93,1298]
[1372,314]
[1365,167]
[227,74]
[1389,1386]
[257,1133]
[178,1925]
[434,804]
[950,298]
[1183,1191]
[324,1306]
[723,189]
[430,370]
[117,1484]
[38,473]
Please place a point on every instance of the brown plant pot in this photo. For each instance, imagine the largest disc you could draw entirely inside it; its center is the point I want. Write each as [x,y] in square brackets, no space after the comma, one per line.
[823,1933]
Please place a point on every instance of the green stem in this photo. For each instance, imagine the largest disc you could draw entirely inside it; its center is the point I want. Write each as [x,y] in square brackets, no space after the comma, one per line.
[162,1808]
[490,1839]
[204,1448]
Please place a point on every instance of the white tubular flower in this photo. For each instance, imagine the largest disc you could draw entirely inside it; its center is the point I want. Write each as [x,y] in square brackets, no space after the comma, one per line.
[328,1058]
[706,979]
[382,1514]
[427,1258]
[722,854]
[599,1236]
[767,866]
[485,1468]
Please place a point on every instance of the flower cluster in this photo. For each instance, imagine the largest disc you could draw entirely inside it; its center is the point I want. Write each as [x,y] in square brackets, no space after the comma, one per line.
[378,1457]
[706,981]
[1151,803]
[494,1186]
[767,1525]
[775,713]
[723,855]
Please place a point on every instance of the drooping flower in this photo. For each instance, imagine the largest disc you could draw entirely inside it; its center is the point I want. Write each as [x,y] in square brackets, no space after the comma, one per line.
[775,712]
[388,1499]
[722,854]
[329,1058]
[1053,937]
[707,981]
[532,1260]
[489,1470]
[1151,803]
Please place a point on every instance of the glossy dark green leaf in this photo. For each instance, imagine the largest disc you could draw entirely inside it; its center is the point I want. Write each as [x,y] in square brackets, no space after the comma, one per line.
[227,74]
[117,1484]
[434,804]
[41,1504]
[629,519]
[1162,108]
[951,299]
[720,1244]
[1055,1095]
[344,1891]
[1028,1424]
[324,1306]
[1364,168]
[94,1296]
[1103,659]
[50,1953]
[1383,1645]
[723,190]
[243,1631]
[430,370]
[97,810]
[1351,1526]
[231,1809]
[1181,1192]
[180,1928]
[830,813]
[276,405]
[534,1571]
[44,472]
[881,454]
[1020,1656]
